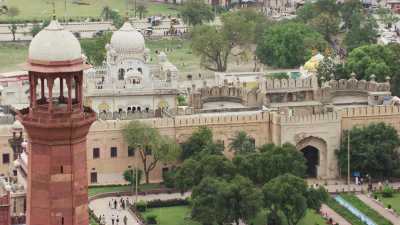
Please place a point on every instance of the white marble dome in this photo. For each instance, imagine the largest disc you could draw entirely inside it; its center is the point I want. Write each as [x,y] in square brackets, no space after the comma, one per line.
[128,40]
[54,43]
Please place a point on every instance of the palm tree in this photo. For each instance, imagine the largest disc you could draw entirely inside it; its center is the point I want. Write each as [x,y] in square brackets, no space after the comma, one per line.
[241,143]
[141,9]
[106,13]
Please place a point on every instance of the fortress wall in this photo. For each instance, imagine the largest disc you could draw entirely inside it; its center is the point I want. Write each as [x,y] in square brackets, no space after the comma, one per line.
[362,116]
[107,134]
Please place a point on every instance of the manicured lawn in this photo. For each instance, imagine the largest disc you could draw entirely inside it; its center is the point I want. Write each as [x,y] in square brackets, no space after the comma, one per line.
[178,215]
[372,214]
[39,9]
[179,53]
[310,218]
[11,55]
[394,201]
[345,213]
[122,188]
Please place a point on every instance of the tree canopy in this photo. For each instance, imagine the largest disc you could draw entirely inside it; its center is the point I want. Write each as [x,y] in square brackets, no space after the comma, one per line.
[363,31]
[374,59]
[288,44]
[217,201]
[200,141]
[151,146]
[373,151]
[286,194]
[270,162]
[196,12]
[242,143]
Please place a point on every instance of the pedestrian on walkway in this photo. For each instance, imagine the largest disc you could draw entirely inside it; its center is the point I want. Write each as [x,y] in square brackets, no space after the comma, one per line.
[112,219]
[125,220]
[117,220]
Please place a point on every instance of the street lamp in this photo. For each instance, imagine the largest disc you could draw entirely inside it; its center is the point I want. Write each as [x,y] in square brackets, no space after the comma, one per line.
[348,160]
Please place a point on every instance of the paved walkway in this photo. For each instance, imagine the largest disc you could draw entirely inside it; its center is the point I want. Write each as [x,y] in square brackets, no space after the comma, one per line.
[101,206]
[332,214]
[379,208]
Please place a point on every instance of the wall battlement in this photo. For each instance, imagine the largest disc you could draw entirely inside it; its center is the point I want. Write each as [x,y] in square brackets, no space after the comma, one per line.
[274,84]
[188,121]
[371,111]
[354,85]
[312,118]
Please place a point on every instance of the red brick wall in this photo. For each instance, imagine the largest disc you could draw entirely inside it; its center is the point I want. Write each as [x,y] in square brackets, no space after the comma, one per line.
[5,217]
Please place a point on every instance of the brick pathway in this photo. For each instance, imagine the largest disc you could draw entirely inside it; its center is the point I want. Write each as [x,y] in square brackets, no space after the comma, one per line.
[380,209]
[332,214]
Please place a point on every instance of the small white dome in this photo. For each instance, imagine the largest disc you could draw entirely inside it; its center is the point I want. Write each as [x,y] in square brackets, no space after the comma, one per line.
[54,43]
[127,39]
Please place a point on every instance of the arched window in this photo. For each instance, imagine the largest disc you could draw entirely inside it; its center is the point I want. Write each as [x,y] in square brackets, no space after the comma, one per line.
[121,74]
[140,70]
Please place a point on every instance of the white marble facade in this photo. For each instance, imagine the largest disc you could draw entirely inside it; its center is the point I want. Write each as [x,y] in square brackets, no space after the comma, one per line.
[127,82]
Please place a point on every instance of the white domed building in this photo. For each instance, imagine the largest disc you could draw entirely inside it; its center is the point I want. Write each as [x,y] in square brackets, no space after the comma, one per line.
[127,83]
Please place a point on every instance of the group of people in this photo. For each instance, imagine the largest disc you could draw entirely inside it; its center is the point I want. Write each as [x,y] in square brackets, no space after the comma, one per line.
[115,220]
[118,204]
[329,220]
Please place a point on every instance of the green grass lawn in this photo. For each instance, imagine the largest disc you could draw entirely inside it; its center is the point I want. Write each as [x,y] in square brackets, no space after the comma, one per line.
[177,215]
[345,213]
[122,188]
[181,54]
[394,202]
[39,9]
[12,54]
[372,214]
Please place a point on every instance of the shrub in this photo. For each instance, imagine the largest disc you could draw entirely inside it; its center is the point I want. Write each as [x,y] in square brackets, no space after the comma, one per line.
[151,219]
[141,206]
[167,203]
[169,179]
[387,191]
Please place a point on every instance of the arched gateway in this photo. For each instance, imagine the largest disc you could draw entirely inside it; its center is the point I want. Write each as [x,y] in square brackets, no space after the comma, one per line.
[314,150]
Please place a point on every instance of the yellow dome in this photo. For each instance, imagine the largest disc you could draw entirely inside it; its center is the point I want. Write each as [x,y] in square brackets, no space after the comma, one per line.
[312,64]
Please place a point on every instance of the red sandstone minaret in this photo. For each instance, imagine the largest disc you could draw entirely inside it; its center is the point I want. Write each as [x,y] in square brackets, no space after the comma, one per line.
[57,124]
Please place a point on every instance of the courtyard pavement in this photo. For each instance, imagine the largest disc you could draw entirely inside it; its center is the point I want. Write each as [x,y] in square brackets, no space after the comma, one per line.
[101,206]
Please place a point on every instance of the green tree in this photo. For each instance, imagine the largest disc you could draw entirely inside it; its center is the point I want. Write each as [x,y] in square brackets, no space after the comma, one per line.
[36,27]
[130,176]
[106,13]
[193,171]
[363,31]
[288,44]
[242,143]
[326,24]
[270,162]
[3,10]
[326,68]
[212,46]
[196,12]
[374,151]
[347,9]
[374,59]
[286,194]
[315,198]
[242,199]
[197,142]
[94,49]
[208,203]
[307,12]
[13,27]
[151,146]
